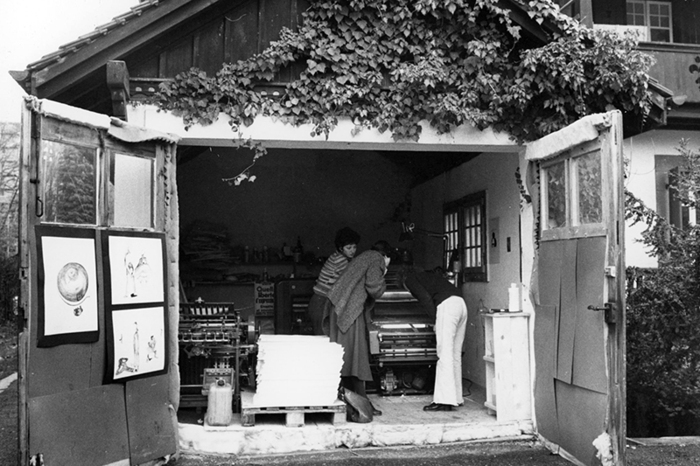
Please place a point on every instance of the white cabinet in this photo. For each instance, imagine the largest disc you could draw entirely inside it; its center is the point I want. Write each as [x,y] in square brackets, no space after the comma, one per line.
[507,359]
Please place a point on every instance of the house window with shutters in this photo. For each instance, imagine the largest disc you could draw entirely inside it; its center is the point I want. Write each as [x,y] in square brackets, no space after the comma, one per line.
[680,215]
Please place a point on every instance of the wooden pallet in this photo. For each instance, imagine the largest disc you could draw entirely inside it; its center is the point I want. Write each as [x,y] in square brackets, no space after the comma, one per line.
[295,416]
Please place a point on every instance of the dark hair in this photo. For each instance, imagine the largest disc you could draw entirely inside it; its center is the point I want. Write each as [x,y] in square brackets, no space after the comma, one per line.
[383,247]
[346,236]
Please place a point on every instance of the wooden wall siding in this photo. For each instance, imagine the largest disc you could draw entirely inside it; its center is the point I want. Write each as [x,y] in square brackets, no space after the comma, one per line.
[220,37]
[241,36]
[208,47]
[609,11]
[672,70]
[686,21]
[178,58]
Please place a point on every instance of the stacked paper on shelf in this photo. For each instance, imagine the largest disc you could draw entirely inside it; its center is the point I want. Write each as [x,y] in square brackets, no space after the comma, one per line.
[297,370]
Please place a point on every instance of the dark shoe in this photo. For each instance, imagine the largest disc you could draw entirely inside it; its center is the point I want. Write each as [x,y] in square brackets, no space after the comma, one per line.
[437,407]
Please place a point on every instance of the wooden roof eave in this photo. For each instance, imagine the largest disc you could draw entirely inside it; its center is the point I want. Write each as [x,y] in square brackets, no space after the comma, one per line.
[530,27]
[69,69]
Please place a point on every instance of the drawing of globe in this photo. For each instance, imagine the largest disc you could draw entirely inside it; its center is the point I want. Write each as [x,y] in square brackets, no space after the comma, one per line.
[73,282]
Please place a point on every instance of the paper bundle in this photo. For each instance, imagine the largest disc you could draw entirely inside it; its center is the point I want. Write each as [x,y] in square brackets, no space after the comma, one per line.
[297,370]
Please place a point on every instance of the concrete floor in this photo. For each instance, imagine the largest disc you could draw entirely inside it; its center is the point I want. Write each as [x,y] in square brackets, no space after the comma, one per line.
[403,422]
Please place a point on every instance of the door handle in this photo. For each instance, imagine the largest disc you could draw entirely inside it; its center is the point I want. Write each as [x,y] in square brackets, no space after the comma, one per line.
[610,310]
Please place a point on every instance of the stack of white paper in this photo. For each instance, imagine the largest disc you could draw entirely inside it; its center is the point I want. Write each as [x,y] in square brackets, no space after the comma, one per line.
[297,370]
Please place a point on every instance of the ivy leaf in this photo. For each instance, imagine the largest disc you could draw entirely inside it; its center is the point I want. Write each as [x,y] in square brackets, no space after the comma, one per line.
[391,64]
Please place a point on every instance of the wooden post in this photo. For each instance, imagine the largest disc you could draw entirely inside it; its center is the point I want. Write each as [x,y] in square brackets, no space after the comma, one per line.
[118,84]
[27,197]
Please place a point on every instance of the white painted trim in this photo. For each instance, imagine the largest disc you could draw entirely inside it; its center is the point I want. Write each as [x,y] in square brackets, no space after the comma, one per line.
[122,130]
[66,112]
[584,130]
[125,462]
[275,133]
[7,381]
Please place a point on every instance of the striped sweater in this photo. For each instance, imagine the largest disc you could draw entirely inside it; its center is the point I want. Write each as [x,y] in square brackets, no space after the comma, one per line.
[332,268]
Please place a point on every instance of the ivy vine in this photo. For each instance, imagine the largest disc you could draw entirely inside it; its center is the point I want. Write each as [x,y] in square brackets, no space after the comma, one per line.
[258,151]
[391,64]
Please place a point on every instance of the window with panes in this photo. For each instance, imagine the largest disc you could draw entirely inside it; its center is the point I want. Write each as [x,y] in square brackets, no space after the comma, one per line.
[572,195]
[680,215]
[465,233]
[654,15]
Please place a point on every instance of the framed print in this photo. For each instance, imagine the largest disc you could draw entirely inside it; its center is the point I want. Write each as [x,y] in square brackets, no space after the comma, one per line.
[68,288]
[135,294]
[136,343]
[135,269]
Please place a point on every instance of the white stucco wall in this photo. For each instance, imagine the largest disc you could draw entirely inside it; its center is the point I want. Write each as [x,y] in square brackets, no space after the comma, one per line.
[640,152]
[494,173]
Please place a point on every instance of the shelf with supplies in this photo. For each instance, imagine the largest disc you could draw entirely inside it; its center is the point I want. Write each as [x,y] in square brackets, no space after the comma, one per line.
[278,270]
[507,364]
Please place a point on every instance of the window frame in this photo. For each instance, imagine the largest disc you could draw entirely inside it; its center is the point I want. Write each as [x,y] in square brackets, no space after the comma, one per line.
[647,17]
[572,227]
[105,151]
[469,239]
[110,205]
[679,215]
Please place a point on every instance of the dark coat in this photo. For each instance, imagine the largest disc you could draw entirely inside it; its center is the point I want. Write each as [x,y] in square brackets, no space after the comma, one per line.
[363,279]
[430,289]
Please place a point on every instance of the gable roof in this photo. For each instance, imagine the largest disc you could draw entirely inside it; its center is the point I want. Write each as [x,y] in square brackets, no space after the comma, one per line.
[51,75]
[87,39]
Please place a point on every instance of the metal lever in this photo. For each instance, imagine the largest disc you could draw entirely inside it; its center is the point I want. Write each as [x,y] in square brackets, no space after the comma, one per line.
[610,310]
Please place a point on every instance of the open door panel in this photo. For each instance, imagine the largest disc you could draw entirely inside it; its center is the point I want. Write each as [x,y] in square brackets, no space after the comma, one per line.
[579,327]
[89,185]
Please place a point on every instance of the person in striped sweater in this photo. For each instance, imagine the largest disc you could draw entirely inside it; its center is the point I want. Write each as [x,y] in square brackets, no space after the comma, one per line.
[346,241]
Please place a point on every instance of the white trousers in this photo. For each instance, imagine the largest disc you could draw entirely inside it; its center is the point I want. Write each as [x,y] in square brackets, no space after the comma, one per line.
[450,326]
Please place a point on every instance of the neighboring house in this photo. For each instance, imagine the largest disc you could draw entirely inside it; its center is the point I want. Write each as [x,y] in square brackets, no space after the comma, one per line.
[463,184]
[670,31]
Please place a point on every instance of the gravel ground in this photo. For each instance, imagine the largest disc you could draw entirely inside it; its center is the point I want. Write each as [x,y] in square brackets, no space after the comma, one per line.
[681,452]
[507,453]
[520,453]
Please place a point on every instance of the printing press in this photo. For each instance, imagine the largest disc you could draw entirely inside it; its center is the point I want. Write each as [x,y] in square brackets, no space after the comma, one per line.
[402,342]
[214,343]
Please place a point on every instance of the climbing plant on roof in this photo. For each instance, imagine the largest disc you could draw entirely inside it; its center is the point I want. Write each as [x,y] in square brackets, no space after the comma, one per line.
[392,64]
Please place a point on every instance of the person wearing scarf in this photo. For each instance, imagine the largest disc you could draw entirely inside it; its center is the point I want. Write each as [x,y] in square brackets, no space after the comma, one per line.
[353,297]
[346,241]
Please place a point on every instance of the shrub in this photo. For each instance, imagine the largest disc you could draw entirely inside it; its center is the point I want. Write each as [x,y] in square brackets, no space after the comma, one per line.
[663,321]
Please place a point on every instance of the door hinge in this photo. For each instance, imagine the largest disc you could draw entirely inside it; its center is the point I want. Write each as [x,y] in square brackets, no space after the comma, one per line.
[610,310]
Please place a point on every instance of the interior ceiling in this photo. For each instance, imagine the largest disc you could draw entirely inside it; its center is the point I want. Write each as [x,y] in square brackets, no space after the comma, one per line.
[422,166]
